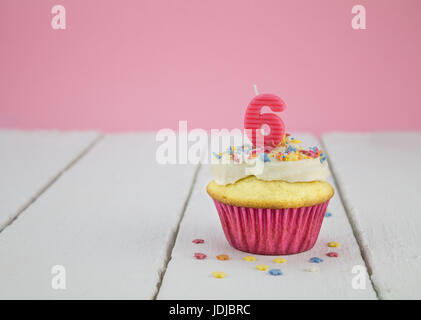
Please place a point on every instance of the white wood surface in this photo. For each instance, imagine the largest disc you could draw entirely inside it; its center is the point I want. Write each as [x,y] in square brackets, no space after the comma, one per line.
[379,175]
[30,161]
[109,216]
[109,221]
[189,278]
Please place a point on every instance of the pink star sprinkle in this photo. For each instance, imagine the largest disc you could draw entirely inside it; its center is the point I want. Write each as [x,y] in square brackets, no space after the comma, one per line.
[332,254]
[199,255]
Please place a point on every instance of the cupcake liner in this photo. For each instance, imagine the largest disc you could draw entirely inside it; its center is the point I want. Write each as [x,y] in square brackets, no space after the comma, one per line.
[271,231]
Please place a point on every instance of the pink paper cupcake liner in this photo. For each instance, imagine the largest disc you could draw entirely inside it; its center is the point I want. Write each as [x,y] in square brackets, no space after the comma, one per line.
[271,231]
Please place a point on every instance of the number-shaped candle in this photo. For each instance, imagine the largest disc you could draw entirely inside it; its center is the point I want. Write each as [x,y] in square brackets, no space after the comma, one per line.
[254,120]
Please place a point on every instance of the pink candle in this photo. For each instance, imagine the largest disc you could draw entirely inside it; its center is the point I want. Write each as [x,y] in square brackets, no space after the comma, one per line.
[254,120]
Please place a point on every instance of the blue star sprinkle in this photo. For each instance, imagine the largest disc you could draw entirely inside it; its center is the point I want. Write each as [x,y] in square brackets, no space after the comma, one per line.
[290,149]
[275,272]
[316,260]
[264,157]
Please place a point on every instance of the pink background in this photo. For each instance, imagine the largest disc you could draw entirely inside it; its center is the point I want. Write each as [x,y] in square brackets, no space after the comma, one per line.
[144,65]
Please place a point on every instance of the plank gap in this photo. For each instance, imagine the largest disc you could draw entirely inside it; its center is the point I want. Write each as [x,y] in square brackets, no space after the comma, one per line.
[355,230]
[175,234]
[52,181]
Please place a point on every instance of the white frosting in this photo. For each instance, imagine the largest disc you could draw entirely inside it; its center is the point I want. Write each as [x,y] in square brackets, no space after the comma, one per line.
[290,171]
[289,161]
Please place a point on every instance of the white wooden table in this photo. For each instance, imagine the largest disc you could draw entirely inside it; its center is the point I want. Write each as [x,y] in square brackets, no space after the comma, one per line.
[121,226]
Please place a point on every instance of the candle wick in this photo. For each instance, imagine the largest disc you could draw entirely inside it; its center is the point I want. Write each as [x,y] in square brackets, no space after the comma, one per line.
[255,90]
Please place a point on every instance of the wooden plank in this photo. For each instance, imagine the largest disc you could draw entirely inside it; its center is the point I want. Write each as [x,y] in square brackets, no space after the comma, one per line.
[109,221]
[188,278]
[30,161]
[380,179]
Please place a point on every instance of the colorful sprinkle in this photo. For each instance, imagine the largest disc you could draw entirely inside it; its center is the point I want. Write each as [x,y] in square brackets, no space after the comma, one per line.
[217,155]
[316,260]
[279,260]
[292,156]
[262,267]
[264,157]
[219,274]
[287,150]
[275,272]
[332,254]
[198,241]
[334,244]
[309,153]
[328,214]
[249,258]
[223,257]
[313,269]
[290,149]
[199,255]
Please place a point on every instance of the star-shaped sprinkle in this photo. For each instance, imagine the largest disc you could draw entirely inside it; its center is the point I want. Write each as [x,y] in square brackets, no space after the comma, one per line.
[332,254]
[223,257]
[313,269]
[249,258]
[279,260]
[275,272]
[334,244]
[200,256]
[262,267]
[316,260]
[219,274]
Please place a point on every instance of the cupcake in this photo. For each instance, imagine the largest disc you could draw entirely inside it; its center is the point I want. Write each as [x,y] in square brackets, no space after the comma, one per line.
[277,210]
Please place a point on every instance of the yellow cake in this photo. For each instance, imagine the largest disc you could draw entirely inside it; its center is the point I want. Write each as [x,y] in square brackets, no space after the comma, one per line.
[255,193]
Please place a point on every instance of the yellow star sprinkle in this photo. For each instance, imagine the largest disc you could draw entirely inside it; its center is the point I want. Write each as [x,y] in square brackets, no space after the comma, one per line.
[292,157]
[249,258]
[313,269]
[219,274]
[334,244]
[262,267]
[279,260]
